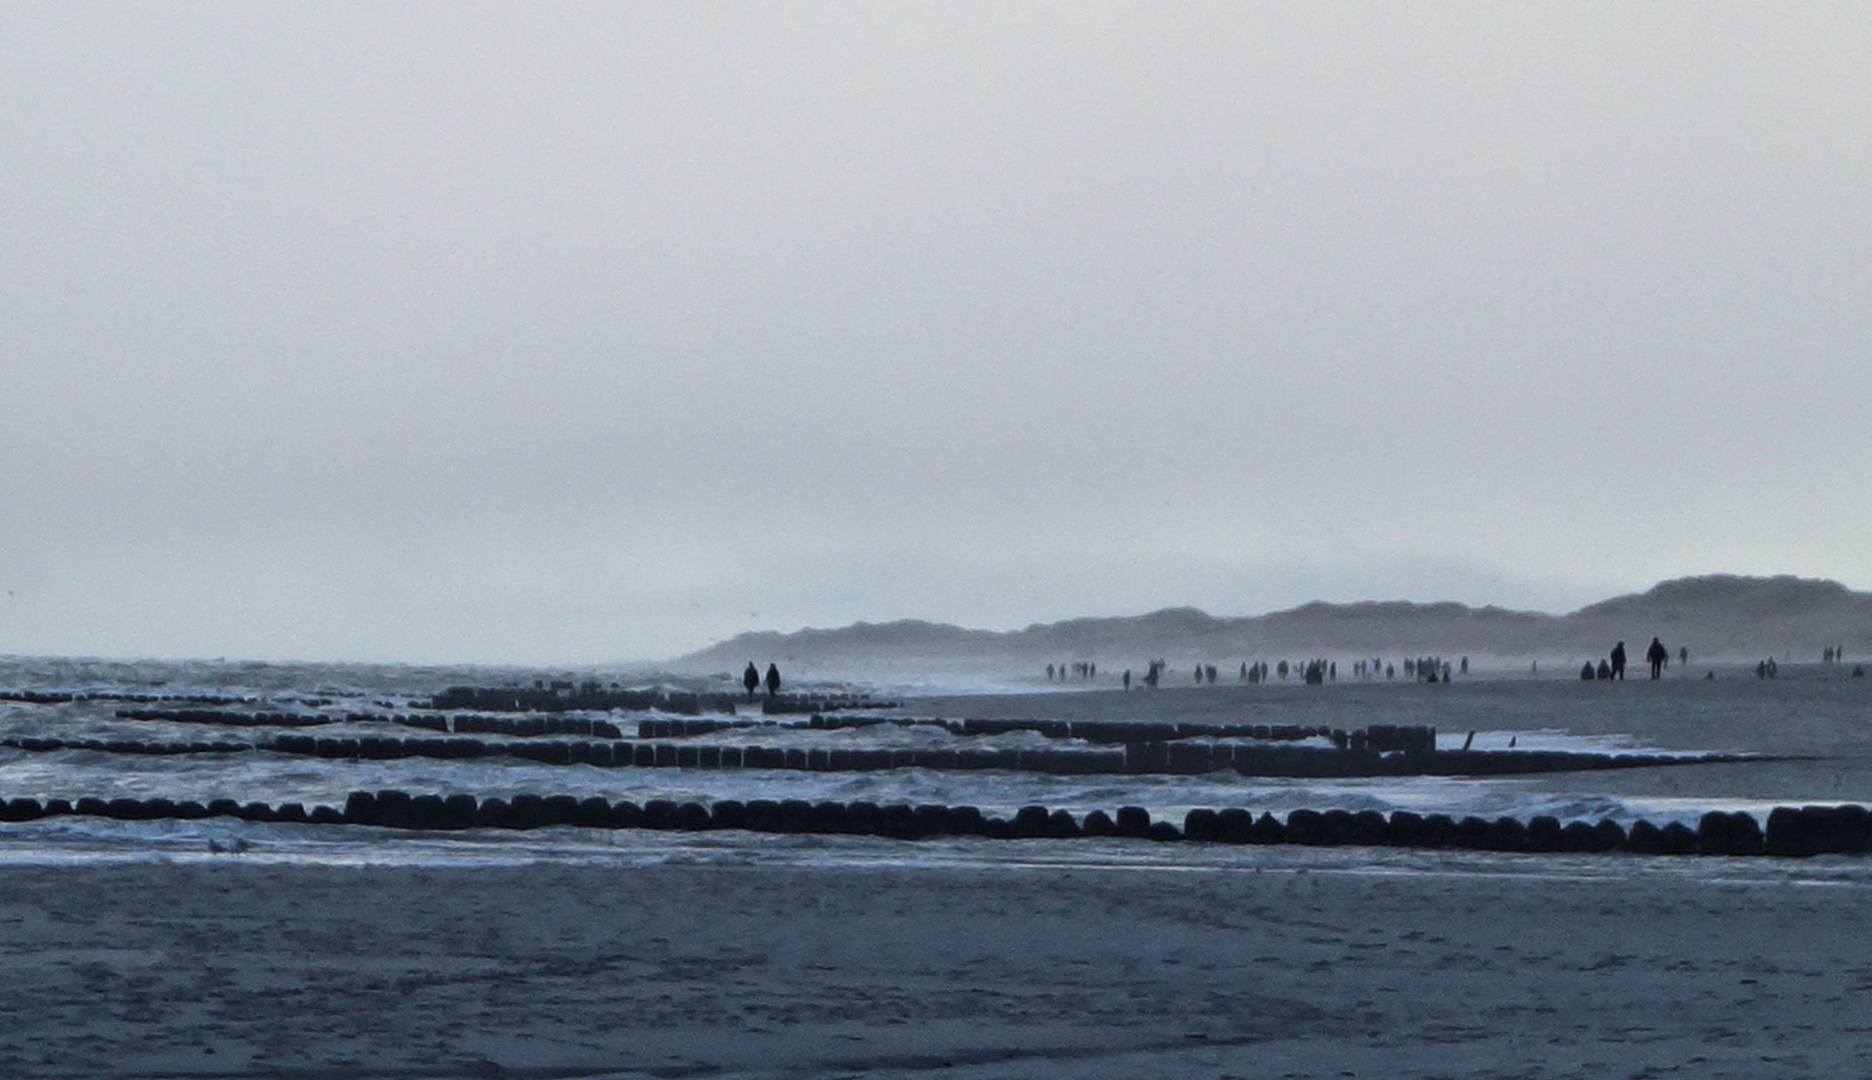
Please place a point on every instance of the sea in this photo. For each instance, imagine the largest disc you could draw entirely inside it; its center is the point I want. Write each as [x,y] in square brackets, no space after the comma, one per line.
[1807,733]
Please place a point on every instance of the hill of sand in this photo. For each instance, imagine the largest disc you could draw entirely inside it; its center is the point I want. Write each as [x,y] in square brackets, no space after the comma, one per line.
[1718,617]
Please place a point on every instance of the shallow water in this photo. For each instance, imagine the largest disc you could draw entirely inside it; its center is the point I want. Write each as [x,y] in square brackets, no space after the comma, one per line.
[1819,719]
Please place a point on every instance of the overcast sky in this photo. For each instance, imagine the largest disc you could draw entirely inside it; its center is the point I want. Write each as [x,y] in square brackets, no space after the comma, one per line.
[566,333]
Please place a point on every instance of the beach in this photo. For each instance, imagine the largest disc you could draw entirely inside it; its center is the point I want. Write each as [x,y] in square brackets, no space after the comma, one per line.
[1487,966]
[218,946]
[959,541]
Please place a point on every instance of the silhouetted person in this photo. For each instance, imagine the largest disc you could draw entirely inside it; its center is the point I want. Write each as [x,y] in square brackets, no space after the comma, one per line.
[1683,654]
[1658,655]
[751,679]
[773,679]
[1127,680]
[1618,660]
[1605,670]
[1586,672]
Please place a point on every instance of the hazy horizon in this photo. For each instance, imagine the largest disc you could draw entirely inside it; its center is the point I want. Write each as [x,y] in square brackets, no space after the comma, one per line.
[438,333]
[783,631]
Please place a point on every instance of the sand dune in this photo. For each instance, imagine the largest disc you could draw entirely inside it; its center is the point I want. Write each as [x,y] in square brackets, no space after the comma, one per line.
[1715,617]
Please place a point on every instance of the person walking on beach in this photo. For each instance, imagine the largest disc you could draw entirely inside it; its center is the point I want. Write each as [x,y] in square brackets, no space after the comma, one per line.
[1618,660]
[1658,655]
[773,679]
[751,679]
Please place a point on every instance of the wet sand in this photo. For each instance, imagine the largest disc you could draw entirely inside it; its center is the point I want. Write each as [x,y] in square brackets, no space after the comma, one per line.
[236,968]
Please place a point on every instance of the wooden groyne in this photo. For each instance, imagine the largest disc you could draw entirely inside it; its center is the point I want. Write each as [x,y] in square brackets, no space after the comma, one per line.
[1790,832]
[1185,758]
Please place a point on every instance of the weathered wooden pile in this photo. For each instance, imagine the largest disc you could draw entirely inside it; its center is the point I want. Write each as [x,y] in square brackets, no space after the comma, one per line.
[1791,831]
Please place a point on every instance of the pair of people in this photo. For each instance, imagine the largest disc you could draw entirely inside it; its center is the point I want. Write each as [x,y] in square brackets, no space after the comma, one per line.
[751,678]
[1657,656]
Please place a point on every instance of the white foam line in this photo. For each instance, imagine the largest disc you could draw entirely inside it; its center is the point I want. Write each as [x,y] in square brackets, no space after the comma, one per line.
[833,856]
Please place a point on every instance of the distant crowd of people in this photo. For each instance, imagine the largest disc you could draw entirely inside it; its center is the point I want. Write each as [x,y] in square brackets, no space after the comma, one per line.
[1312,672]
[1315,672]
[1832,654]
[1431,669]
[1836,654]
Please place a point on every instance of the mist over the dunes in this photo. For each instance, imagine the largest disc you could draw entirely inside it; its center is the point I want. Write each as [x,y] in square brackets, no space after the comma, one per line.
[1717,617]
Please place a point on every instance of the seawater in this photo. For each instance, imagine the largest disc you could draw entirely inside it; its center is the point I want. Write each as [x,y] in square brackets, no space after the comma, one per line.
[1823,718]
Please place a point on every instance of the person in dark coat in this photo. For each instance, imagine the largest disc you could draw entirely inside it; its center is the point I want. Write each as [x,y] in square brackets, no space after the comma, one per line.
[1618,660]
[773,679]
[751,679]
[1659,656]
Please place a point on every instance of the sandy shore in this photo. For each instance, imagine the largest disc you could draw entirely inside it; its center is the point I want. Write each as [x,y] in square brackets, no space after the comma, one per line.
[233,968]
